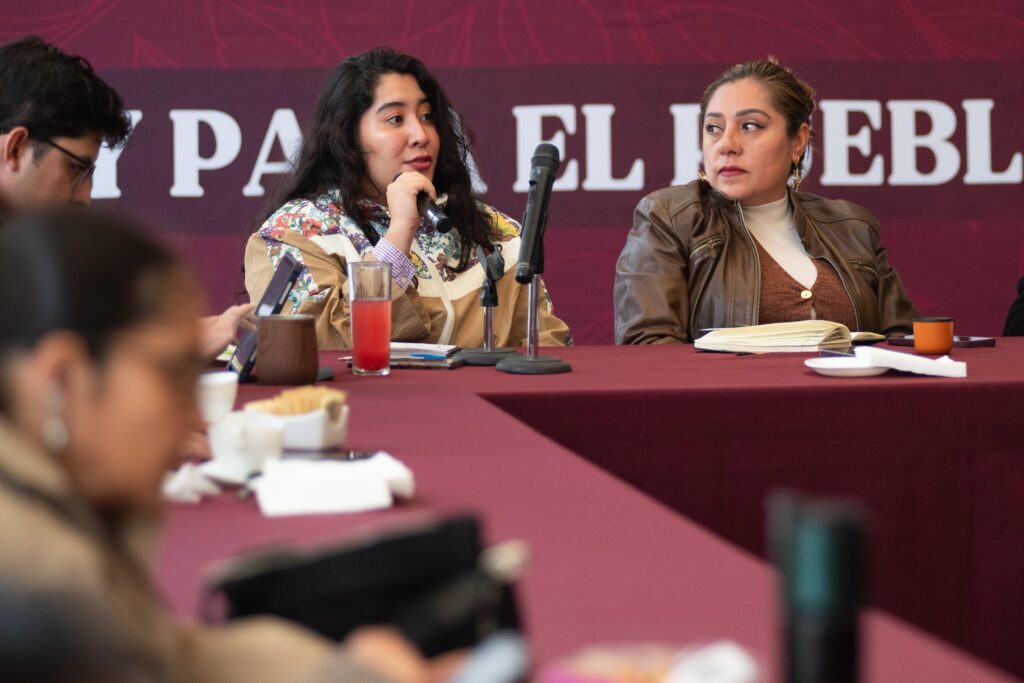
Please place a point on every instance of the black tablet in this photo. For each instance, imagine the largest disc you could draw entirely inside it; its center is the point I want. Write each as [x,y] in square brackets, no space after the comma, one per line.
[276,294]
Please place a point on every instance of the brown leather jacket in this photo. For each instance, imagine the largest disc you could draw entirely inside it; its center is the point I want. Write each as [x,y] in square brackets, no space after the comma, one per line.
[689,263]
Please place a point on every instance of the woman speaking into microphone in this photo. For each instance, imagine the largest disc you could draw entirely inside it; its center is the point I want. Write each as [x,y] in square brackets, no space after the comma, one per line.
[385,140]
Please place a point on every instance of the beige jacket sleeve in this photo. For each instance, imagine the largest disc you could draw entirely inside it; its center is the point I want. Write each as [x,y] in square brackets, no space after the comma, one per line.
[552,331]
[265,649]
[413,317]
[56,546]
[409,317]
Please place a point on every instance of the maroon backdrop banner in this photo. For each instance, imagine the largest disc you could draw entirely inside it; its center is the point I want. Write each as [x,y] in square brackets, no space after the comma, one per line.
[918,117]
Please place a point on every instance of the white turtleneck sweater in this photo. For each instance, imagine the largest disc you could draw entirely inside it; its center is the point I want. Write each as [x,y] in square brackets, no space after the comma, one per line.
[772,226]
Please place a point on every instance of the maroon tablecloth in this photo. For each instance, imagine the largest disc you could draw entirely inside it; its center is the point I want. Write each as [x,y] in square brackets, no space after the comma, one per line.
[940,462]
[610,564]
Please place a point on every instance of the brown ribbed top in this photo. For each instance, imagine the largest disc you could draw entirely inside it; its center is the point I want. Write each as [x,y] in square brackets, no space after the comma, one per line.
[783,299]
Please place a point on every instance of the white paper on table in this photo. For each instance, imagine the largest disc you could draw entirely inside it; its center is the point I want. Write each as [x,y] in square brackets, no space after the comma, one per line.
[304,487]
[406,348]
[908,362]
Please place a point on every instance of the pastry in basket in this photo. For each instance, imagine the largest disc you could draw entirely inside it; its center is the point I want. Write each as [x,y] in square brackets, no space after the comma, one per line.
[314,418]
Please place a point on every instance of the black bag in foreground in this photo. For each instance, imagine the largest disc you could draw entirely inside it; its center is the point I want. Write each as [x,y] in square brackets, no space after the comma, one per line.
[428,581]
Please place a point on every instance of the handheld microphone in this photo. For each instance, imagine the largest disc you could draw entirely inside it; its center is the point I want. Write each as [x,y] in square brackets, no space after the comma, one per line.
[544,165]
[433,213]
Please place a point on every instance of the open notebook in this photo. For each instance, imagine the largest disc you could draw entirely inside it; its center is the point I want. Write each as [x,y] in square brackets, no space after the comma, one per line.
[805,336]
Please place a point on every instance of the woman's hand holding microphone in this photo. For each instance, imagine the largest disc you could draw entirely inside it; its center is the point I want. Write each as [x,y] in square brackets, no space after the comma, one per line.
[402,195]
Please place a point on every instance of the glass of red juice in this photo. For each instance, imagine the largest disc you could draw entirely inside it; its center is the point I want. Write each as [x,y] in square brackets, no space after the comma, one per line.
[369,291]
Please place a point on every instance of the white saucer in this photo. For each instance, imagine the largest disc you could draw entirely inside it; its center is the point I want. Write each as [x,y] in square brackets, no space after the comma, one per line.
[844,367]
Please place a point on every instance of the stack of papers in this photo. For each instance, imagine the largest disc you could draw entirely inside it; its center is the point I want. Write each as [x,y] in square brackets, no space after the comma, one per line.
[401,350]
[802,336]
[310,487]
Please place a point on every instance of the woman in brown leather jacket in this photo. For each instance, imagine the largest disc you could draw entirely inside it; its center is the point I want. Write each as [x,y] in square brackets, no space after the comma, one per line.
[742,245]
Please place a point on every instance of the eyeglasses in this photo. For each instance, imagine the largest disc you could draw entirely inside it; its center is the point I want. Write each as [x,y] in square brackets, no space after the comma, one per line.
[83,167]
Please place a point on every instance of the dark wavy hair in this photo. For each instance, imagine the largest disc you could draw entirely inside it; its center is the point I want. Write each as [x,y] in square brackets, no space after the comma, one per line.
[331,156]
[54,94]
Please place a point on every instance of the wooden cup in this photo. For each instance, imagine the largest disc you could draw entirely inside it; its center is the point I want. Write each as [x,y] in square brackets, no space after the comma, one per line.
[286,351]
[933,336]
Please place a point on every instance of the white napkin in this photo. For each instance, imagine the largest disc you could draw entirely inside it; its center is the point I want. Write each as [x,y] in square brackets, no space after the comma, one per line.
[399,477]
[720,662]
[188,485]
[909,362]
[307,487]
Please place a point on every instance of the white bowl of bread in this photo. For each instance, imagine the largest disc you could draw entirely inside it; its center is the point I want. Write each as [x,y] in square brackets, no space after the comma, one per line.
[314,418]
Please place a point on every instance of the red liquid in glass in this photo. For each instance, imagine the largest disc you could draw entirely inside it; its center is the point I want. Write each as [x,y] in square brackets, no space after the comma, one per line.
[371,334]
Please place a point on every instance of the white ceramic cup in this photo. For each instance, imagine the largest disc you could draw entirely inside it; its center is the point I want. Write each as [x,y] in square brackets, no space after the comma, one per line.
[243,442]
[215,393]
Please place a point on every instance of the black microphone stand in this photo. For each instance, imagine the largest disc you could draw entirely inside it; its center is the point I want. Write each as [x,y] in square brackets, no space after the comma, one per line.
[494,270]
[533,363]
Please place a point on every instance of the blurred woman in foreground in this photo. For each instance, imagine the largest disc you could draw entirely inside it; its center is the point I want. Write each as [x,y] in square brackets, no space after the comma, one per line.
[97,377]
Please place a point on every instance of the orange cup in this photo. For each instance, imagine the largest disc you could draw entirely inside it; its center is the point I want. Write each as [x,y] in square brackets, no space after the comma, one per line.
[933,336]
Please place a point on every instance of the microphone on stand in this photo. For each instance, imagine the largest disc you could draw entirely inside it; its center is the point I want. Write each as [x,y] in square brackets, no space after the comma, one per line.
[544,166]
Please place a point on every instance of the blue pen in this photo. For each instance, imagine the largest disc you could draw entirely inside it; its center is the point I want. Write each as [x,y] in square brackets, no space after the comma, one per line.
[427,356]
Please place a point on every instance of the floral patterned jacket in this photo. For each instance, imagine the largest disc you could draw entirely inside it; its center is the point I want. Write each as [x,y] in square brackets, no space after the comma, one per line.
[441,305]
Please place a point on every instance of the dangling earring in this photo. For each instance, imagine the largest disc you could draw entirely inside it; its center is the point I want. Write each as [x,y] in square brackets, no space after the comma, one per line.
[55,429]
[797,176]
[702,175]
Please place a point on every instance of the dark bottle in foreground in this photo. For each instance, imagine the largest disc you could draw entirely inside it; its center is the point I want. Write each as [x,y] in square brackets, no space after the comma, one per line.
[819,548]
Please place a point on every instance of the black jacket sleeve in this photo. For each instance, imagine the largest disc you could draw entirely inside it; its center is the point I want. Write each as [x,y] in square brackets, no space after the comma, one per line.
[1015,319]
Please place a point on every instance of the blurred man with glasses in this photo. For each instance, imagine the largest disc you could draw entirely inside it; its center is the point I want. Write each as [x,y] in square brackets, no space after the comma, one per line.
[55,112]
